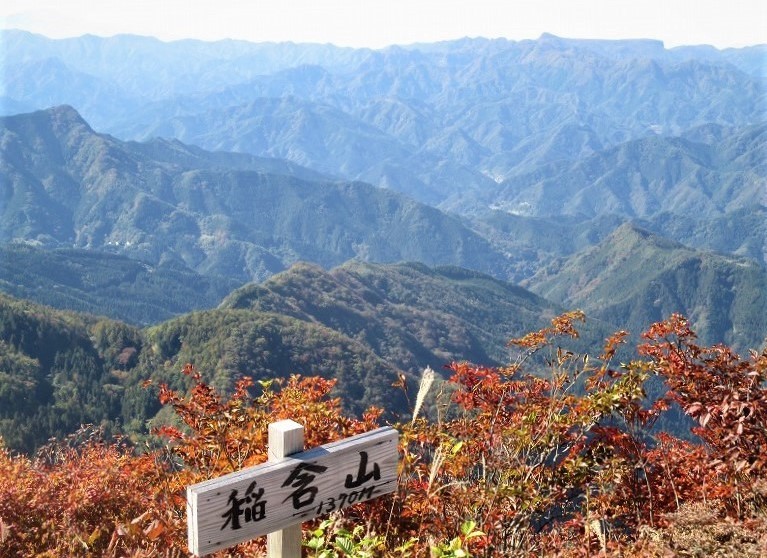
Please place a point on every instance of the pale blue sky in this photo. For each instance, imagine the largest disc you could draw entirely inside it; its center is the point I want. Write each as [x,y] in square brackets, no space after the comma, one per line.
[377,23]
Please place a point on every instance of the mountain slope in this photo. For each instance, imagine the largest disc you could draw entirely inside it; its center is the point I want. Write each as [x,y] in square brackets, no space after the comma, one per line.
[634,278]
[595,130]
[644,177]
[107,284]
[59,370]
[436,119]
[225,344]
[495,109]
[318,136]
[65,185]
[410,314]
[742,232]
[363,324]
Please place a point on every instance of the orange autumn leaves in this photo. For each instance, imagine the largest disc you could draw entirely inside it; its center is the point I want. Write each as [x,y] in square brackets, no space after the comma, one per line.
[550,456]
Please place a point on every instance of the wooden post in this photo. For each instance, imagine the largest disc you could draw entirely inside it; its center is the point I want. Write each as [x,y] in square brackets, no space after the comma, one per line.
[286,437]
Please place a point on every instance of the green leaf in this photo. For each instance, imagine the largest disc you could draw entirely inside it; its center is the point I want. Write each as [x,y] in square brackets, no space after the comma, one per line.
[468,526]
[345,545]
[315,543]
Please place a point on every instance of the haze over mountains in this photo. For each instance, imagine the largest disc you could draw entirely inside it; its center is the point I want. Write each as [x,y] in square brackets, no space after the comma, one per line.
[65,185]
[143,180]
[433,121]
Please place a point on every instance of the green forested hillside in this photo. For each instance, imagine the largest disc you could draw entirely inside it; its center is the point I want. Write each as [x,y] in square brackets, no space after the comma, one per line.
[107,284]
[634,278]
[363,324]
[226,344]
[59,370]
[411,314]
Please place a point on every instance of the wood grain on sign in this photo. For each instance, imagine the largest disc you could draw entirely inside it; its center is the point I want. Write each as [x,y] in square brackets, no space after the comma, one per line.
[286,437]
[240,506]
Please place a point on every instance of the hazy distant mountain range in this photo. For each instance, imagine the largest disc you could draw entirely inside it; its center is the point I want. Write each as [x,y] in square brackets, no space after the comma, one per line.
[66,185]
[433,121]
[279,187]
[443,123]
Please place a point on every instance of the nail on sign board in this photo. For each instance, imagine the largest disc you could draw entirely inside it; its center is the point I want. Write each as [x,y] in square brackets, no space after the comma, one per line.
[240,506]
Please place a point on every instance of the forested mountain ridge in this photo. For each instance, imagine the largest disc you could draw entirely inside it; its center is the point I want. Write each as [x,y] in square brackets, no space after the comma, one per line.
[402,309]
[66,185]
[107,284]
[706,189]
[471,114]
[363,324]
[440,118]
[741,232]
[59,370]
[723,171]
[635,278]
[445,122]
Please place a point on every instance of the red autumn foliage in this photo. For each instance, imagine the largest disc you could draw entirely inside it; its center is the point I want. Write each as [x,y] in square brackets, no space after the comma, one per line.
[564,462]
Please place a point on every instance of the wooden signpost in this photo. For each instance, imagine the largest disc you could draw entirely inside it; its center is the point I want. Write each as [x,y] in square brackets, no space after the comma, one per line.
[274,498]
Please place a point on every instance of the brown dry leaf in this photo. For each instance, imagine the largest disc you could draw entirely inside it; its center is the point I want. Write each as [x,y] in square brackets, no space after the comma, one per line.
[140,518]
[155,529]
[5,530]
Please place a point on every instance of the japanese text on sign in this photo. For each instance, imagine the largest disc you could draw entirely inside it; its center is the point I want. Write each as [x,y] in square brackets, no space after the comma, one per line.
[266,498]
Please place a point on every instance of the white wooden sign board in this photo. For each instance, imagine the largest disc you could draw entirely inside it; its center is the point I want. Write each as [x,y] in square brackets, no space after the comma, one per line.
[240,506]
